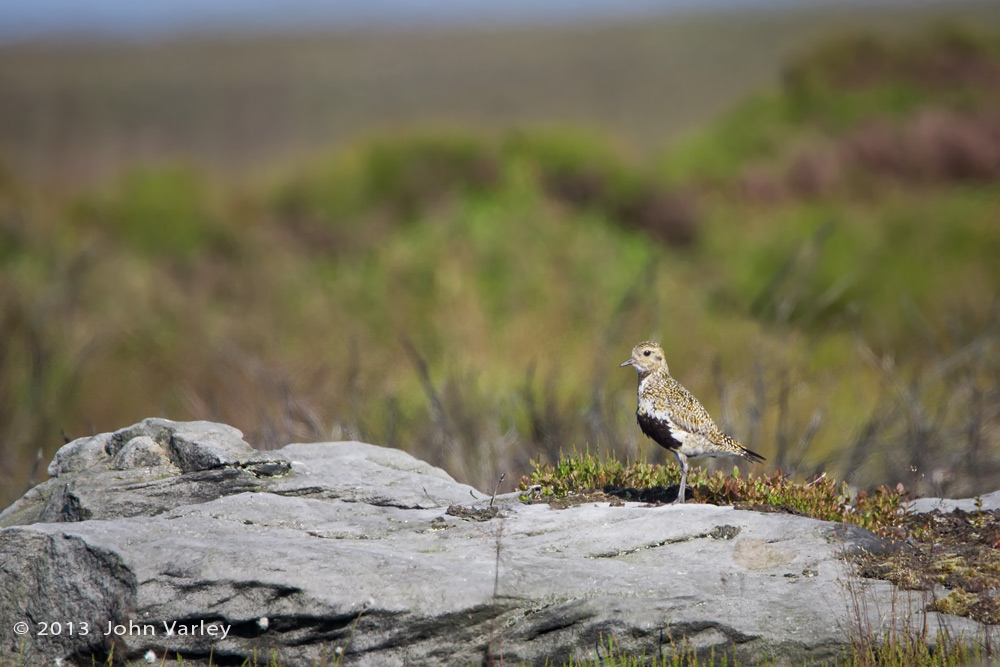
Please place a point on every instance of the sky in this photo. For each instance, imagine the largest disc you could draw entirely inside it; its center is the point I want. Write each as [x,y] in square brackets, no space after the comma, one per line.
[25,19]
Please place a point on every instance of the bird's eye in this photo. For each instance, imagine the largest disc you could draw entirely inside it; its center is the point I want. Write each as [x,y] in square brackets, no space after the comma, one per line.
[646,353]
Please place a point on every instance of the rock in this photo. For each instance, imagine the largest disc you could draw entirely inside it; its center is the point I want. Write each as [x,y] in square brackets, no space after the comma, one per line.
[987,502]
[183,527]
[144,470]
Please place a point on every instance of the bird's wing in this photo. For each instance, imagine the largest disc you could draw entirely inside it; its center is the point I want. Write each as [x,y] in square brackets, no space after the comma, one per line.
[690,415]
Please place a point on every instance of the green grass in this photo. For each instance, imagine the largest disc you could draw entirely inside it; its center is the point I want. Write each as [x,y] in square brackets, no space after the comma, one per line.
[468,295]
[890,650]
[678,653]
[166,211]
[881,511]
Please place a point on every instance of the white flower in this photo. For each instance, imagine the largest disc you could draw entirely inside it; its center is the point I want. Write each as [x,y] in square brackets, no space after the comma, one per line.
[150,657]
[339,650]
[262,622]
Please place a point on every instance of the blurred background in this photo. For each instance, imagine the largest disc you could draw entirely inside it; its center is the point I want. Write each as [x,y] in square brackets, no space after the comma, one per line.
[441,228]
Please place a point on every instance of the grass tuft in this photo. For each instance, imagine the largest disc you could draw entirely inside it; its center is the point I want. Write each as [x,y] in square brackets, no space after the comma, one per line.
[881,511]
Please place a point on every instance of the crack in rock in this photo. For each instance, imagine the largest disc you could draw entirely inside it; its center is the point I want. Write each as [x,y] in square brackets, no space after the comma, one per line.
[652,545]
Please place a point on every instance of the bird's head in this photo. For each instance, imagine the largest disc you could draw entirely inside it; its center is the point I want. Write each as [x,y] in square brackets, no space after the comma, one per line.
[647,357]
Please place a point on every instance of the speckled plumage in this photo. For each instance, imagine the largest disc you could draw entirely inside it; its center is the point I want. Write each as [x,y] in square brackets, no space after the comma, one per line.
[672,417]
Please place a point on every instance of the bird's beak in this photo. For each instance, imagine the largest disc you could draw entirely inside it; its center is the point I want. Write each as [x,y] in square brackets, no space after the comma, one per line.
[630,362]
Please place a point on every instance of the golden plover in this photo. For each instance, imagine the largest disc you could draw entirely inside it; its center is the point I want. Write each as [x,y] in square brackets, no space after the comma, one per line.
[670,415]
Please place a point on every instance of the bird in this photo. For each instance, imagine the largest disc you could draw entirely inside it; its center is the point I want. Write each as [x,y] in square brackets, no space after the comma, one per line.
[673,418]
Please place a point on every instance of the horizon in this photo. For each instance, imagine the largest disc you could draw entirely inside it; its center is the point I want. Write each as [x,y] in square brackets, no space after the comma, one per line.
[118,19]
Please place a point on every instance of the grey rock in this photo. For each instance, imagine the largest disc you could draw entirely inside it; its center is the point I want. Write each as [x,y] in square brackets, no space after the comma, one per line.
[142,452]
[348,545]
[987,502]
[144,470]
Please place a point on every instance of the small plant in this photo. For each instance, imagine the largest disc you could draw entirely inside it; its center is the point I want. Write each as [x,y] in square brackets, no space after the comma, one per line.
[881,511]
[677,654]
[904,637]
[898,649]
[957,551]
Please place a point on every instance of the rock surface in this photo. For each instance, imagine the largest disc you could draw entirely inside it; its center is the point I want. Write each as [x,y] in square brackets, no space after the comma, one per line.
[987,502]
[320,547]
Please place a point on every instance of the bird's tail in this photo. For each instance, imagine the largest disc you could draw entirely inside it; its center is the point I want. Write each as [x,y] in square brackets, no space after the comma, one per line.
[749,455]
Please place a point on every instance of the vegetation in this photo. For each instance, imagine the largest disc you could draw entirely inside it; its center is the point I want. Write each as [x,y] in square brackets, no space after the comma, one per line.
[818,265]
[955,551]
[74,113]
[882,511]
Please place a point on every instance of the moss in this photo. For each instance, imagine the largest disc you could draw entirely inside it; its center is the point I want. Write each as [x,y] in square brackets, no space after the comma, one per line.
[957,603]
[595,478]
[957,551]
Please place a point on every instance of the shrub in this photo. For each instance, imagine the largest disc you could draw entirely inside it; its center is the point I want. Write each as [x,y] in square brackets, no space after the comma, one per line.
[164,210]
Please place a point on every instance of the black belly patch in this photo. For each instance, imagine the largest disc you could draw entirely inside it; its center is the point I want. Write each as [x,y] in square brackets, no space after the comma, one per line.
[658,430]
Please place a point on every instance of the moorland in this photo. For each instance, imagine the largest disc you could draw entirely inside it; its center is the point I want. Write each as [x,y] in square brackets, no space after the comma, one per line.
[447,242]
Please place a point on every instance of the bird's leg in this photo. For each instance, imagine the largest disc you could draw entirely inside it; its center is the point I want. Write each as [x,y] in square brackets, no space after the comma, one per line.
[681,491]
